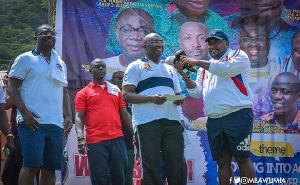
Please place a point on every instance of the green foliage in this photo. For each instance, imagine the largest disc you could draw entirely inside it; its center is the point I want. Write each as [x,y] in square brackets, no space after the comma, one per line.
[18,21]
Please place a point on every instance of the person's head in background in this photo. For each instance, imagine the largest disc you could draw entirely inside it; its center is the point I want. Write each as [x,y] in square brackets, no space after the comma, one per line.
[192,9]
[117,78]
[192,37]
[255,41]
[132,25]
[265,10]
[295,50]
[285,92]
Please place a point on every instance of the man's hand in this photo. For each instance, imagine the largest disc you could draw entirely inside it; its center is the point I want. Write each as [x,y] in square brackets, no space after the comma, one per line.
[82,147]
[10,144]
[29,119]
[158,99]
[67,126]
[179,66]
[178,102]
[186,60]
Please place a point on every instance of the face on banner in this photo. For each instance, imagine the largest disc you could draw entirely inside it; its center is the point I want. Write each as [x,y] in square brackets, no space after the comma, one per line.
[132,26]
[267,10]
[192,37]
[192,8]
[296,50]
[254,40]
[284,94]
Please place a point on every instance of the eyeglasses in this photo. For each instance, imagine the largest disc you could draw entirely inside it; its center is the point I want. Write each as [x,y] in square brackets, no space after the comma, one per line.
[46,33]
[129,31]
[259,39]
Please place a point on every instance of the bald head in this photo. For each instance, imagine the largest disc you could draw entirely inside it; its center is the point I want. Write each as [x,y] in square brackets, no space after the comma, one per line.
[193,24]
[96,61]
[151,36]
[41,27]
[143,16]
[289,79]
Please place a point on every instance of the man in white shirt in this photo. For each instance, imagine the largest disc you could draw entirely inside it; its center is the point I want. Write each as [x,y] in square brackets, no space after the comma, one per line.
[145,82]
[223,84]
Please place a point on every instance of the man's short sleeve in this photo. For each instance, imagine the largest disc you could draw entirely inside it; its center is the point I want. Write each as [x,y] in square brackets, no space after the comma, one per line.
[2,98]
[177,87]
[131,75]
[122,103]
[65,71]
[19,68]
[80,103]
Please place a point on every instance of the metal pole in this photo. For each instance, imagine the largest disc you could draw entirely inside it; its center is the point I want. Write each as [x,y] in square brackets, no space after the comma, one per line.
[50,10]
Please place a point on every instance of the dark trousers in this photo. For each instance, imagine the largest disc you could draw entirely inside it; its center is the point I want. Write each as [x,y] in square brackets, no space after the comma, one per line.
[12,165]
[108,162]
[130,155]
[166,136]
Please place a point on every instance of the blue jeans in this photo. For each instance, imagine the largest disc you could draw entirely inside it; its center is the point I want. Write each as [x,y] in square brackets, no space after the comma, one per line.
[108,162]
[42,147]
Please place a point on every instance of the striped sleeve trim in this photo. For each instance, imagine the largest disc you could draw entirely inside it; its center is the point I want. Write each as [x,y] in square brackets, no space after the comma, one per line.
[17,77]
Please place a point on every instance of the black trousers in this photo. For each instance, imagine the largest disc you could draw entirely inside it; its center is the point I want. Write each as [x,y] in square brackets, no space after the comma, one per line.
[12,165]
[166,136]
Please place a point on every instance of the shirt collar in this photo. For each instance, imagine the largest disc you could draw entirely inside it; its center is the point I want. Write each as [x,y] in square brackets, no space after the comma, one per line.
[92,85]
[225,54]
[35,53]
[145,59]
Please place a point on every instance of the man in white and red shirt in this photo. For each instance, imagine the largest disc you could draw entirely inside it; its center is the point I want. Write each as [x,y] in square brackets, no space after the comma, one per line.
[223,84]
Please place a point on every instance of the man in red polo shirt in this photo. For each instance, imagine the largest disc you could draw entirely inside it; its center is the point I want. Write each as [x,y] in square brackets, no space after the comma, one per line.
[100,108]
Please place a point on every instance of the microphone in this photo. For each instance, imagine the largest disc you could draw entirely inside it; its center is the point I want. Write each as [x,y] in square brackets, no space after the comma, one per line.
[186,67]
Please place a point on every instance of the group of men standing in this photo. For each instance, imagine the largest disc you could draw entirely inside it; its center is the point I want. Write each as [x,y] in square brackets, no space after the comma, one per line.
[38,87]
[157,120]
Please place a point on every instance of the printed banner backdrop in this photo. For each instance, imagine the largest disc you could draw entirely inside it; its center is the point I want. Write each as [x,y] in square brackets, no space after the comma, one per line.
[268,31]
